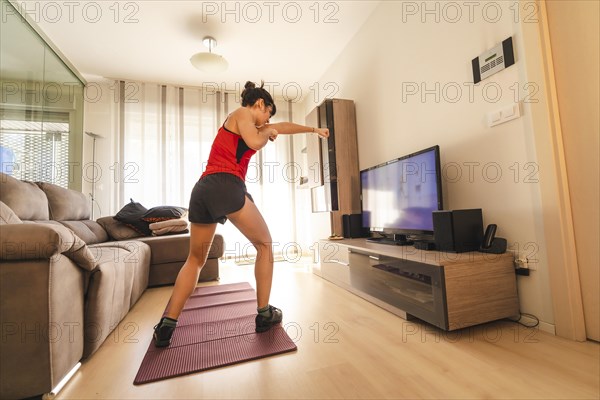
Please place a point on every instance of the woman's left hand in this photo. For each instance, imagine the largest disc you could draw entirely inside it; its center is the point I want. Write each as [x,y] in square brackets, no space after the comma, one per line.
[273,135]
[269,132]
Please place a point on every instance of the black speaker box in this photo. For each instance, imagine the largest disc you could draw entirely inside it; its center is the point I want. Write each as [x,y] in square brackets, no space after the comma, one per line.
[352,224]
[458,230]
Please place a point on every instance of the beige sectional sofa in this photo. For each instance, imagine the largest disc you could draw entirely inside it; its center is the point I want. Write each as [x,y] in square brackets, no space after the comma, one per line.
[65,284]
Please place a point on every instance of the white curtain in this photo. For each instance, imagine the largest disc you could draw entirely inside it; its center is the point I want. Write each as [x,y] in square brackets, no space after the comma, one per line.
[167,133]
[166,138]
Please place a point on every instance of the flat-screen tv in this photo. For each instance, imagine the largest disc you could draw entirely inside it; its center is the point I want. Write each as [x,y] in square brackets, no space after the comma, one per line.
[399,196]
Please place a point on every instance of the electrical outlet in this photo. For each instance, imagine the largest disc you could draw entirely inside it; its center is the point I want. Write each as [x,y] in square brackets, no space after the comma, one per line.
[521,266]
[521,262]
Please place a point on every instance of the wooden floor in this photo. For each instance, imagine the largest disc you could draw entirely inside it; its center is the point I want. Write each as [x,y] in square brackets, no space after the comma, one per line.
[349,348]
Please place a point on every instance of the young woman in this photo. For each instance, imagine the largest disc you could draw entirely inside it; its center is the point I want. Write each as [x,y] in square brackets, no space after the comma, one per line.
[221,194]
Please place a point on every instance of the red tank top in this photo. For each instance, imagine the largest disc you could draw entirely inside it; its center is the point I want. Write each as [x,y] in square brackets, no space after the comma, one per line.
[229,153]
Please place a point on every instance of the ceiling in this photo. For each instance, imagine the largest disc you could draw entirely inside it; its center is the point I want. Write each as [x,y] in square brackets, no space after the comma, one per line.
[286,44]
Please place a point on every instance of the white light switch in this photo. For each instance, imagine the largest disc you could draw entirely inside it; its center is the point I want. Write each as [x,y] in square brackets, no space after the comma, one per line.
[503,115]
[510,112]
[493,118]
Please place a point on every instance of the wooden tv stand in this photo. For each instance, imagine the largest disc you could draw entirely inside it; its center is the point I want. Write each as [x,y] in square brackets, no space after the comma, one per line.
[449,290]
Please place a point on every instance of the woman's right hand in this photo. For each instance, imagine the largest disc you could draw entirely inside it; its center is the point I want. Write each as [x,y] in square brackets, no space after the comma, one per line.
[322,132]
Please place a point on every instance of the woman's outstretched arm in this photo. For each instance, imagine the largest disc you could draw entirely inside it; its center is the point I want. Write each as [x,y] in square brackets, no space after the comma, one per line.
[289,128]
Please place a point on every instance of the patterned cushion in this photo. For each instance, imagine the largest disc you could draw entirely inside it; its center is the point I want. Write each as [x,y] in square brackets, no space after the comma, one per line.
[164,213]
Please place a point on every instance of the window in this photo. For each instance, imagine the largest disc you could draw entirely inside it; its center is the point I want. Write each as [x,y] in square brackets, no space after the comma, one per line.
[34,146]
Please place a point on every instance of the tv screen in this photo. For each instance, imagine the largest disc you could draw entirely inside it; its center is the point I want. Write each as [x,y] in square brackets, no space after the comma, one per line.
[400,195]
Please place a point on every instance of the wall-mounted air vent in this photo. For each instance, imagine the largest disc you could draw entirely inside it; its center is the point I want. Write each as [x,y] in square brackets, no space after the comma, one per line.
[493,60]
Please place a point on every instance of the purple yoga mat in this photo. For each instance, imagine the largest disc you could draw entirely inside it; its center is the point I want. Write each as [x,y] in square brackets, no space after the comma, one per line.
[215,329]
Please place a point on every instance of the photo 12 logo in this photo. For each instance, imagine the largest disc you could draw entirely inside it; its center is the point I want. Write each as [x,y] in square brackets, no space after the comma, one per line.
[38,93]
[468,92]
[452,12]
[290,91]
[270,11]
[91,12]
[490,172]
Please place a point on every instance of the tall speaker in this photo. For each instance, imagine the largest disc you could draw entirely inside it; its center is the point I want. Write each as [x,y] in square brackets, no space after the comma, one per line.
[352,224]
[458,230]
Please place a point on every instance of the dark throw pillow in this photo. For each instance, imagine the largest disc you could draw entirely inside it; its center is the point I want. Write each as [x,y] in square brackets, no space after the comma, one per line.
[131,215]
[164,213]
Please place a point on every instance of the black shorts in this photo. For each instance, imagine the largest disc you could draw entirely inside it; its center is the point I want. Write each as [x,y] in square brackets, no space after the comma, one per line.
[215,196]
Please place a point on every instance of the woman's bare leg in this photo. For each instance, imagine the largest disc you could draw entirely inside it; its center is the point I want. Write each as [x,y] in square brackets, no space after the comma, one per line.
[201,237]
[252,225]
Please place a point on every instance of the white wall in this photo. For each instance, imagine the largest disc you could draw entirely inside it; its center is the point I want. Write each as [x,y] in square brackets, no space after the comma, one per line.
[402,49]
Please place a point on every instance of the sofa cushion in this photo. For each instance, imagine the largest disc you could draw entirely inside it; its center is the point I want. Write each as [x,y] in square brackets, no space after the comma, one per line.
[8,216]
[89,231]
[26,199]
[116,229]
[65,204]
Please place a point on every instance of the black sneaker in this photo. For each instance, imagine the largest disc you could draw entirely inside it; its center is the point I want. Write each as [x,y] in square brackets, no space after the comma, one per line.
[265,323]
[163,334]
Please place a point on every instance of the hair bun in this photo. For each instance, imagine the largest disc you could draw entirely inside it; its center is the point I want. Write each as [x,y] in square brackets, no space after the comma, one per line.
[251,94]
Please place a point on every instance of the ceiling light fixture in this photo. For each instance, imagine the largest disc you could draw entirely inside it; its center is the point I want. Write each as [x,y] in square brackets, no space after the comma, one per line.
[209,62]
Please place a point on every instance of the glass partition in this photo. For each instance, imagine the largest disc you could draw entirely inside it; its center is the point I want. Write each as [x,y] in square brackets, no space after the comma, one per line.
[41,107]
